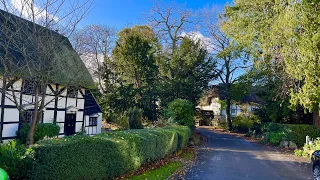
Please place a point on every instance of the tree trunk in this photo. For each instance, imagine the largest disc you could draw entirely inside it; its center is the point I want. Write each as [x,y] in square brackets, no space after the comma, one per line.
[316,117]
[30,138]
[228,113]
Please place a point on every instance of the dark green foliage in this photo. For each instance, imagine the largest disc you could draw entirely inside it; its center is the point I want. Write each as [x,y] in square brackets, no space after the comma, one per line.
[135,118]
[16,160]
[131,119]
[245,124]
[293,132]
[273,127]
[131,75]
[223,124]
[182,112]
[105,156]
[275,138]
[298,132]
[121,120]
[186,73]
[42,130]
[275,106]
[205,117]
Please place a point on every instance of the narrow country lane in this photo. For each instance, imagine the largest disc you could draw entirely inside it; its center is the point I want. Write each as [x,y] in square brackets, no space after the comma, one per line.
[226,157]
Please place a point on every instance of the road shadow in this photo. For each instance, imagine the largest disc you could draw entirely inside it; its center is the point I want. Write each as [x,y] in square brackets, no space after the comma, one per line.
[228,157]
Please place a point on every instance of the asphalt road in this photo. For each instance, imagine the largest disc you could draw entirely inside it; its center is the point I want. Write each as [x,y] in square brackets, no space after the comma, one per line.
[226,157]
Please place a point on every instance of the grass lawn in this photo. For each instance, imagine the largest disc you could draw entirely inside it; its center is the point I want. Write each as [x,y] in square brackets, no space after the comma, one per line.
[187,155]
[162,173]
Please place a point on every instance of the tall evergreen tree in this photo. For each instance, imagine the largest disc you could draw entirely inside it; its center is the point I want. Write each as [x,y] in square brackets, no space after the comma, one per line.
[192,70]
[134,65]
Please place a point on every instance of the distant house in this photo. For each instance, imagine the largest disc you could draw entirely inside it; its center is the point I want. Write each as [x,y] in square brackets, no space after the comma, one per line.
[75,108]
[214,101]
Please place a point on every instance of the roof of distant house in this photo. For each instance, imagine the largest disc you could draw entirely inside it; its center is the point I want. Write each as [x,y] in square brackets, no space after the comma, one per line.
[35,50]
[217,91]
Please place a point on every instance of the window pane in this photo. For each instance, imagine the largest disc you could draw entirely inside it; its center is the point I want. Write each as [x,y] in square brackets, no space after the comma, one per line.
[28,87]
[72,92]
[93,121]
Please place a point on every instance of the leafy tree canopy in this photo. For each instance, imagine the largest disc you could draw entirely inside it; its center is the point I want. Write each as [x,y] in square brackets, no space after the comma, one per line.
[282,36]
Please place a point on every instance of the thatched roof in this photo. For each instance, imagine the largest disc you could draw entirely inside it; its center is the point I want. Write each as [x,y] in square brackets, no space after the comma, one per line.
[216,91]
[34,50]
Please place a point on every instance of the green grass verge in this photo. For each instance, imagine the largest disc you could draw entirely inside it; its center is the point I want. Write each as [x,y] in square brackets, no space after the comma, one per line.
[162,173]
[187,155]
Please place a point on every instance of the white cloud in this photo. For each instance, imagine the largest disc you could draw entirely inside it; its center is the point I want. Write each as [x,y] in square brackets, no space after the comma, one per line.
[196,36]
[25,8]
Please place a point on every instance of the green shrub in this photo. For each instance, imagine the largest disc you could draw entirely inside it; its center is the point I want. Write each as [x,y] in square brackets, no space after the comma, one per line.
[122,120]
[42,130]
[308,149]
[293,132]
[298,132]
[135,118]
[182,112]
[105,156]
[244,124]
[275,138]
[223,124]
[16,160]
[273,127]
[301,153]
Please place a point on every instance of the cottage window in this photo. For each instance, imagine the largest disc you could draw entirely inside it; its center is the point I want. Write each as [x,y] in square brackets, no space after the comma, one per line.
[72,92]
[29,87]
[28,115]
[93,121]
[233,111]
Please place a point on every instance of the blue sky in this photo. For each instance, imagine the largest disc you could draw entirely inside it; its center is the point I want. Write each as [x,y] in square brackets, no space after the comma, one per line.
[121,13]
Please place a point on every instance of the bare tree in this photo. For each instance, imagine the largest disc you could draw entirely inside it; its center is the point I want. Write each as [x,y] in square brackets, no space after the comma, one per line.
[169,21]
[94,44]
[232,60]
[34,49]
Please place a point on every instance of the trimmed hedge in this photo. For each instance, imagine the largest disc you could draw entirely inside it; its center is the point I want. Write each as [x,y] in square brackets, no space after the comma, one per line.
[293,132]
[105,156]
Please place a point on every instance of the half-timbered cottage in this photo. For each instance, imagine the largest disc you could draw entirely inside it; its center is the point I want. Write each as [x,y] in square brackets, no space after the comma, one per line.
[214,98]
[74,109]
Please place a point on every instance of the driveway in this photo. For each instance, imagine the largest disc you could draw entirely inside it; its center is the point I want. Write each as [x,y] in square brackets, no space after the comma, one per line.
[232,158]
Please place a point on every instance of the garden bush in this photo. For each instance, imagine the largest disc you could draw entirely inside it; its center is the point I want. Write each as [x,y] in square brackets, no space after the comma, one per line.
[121,120]
[298,132]
[222,124]
[275,137]
[105,156]
[308,149]
[42,130]
[182,112]
[244,124]
[135,118]
[273,127]
[293,132]
[16,160]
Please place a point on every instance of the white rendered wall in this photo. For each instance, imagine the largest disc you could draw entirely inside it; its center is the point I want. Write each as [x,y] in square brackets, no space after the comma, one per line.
[11,114]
